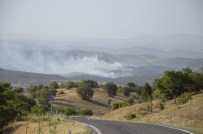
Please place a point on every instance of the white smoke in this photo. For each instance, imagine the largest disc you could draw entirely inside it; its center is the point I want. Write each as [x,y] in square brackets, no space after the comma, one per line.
[54,62]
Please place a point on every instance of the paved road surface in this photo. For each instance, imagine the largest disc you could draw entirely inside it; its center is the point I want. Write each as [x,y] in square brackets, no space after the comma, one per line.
[116,127]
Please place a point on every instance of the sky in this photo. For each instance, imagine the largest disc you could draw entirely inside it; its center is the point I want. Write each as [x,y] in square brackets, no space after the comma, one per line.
[82,19]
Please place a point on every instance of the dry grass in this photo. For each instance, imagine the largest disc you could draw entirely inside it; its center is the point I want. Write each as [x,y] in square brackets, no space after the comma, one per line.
[98,103]
[61,127]
[189,115]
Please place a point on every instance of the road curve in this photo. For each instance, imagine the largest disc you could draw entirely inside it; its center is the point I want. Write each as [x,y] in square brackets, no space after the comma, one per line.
[117,127]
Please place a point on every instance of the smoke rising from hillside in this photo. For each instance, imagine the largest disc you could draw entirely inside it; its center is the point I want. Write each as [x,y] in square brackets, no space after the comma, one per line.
[55,62]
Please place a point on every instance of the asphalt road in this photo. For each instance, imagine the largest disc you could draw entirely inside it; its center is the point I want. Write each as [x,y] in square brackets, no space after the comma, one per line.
[116,127]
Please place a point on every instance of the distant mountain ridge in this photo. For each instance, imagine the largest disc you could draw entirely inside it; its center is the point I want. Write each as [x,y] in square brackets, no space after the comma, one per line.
[138,69]
[19,77]
[177,45]
[139,59]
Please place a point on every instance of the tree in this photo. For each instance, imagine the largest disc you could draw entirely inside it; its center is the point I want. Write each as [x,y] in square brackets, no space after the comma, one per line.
[32,89]
[11,104]
[90,83]
[174,83]
[138,90]
[126,91]
[53,85]
[147,92]
[19,90]
[197,80]
[43,98]
[43,94]
[187,70]
[85,92]
[131,85]
[30,102]
[111,89]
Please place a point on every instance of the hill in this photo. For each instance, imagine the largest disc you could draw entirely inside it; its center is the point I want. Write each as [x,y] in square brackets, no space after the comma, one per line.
[20,77]
[189,115]
[80,64]
[98,104]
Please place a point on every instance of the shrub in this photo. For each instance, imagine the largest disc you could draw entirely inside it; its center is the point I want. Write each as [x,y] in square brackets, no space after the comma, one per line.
[130,101]
[131,116]
[60,110]
[111,88]
[123,104]
[161,106]
[115,106]
[184,98]
[61,92]
[85,112]
[69,111]
[143,113]
[38,110]
[126,91]
[120,89]
[53,91]
[53,85]
[62,85]
[148,108]
[157,94]
[109,103]
[19,90]
[85,92]
[69,84]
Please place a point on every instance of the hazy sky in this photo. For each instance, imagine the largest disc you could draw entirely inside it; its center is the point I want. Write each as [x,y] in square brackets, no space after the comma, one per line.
[79,19]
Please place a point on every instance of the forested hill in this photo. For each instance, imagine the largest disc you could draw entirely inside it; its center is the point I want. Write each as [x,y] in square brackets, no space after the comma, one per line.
[27,78]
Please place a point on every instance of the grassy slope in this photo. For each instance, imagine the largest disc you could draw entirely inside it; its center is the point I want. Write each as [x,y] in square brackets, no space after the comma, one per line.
[63,128]
[57,125]
[98,103]
[189,115]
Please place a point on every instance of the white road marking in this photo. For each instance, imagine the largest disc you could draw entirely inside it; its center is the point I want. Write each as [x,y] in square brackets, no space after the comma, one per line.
[96,129]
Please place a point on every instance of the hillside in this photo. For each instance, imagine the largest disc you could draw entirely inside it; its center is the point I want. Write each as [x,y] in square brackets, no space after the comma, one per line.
[98,103]
[19,77]
[80,64]
[189,115]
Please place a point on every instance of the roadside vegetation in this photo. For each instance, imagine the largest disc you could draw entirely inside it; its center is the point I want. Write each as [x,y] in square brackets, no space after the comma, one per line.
[173,99]
[33,113]
[46,125]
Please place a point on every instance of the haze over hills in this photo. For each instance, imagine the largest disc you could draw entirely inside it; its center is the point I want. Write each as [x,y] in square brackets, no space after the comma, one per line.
[139,59]
[178,45]
[83,64]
